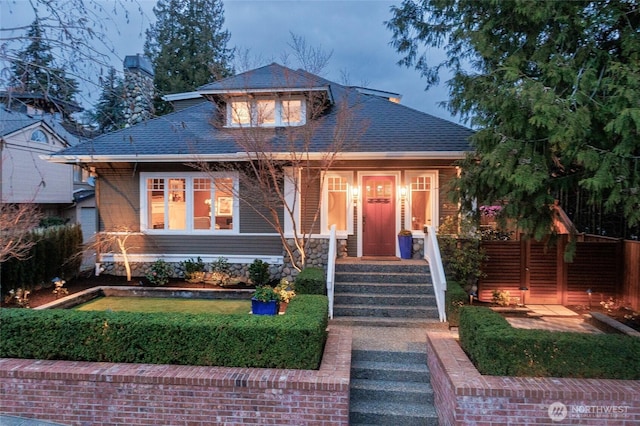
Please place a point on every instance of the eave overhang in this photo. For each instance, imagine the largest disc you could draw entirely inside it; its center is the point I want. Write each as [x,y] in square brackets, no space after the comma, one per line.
[243,156]
[248,91]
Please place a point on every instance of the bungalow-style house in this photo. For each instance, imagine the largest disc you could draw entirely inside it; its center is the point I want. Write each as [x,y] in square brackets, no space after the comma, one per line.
[174,185]
[28,132]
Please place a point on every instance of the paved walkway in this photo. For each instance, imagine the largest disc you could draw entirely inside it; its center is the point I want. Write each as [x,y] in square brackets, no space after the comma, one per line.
[554,324]
[553,318]
[392,339]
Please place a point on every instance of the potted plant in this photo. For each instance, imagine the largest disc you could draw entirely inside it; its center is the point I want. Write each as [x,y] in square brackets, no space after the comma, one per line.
[286,291]
[405,242]
[265,301]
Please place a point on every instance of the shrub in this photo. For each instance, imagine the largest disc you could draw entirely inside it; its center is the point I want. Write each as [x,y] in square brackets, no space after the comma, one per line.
[455,298]
[56,252]
[220,271]
[311,281]
[259,272]
[159,273]
[193,269]
[501,297]
[498,349]
[295,340]
[462,254]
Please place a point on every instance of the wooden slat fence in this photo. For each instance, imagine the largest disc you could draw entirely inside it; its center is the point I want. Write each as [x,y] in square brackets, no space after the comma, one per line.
[631,281]
[609,267]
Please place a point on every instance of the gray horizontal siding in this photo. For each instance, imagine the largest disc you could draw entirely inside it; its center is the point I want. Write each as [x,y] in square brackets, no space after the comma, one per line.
[206,245]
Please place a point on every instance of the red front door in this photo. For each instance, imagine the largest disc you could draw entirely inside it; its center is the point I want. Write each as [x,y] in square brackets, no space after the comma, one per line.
[378,216]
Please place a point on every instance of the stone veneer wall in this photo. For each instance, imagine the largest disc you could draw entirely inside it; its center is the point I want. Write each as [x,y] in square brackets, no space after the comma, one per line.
[317,257]
[465,397]
[138,97]
[90,393]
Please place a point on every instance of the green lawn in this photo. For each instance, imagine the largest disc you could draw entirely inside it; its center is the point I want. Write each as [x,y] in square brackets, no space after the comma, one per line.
[159,304]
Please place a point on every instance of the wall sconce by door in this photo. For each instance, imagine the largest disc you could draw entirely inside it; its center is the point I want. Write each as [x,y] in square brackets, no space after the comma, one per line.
[355,193]
[403,193]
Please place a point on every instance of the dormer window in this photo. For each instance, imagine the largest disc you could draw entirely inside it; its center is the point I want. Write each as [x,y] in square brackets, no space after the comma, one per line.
[39,136]
[266,112]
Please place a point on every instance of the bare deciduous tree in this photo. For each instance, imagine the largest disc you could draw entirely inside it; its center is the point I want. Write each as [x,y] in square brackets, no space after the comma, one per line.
[107,242]
[16,220]
[284,166]
[77,31]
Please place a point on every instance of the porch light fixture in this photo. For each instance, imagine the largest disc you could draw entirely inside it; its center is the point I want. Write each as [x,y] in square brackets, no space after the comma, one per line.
[523,291]
[355,192]
[589,292]
[403,193]
[208,201]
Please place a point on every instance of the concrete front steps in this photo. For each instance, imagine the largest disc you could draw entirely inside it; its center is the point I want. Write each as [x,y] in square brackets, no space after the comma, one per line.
[384,293]
[390,388]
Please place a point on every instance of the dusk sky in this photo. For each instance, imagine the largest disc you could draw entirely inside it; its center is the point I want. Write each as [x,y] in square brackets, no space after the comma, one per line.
[353,30]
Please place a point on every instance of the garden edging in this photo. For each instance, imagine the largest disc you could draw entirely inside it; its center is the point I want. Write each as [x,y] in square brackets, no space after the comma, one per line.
[98,393]
[465,397]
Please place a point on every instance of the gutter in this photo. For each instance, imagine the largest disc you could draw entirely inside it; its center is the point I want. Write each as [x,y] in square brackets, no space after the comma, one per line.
[243,156]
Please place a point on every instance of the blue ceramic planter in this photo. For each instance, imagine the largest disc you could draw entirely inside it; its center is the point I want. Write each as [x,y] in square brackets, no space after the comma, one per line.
[405,242]
[264,308]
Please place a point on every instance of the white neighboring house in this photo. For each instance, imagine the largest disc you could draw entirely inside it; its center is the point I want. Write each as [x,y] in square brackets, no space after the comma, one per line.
[58,189]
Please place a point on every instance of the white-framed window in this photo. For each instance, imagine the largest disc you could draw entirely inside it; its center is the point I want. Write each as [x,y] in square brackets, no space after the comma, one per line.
[266,112]
[337,206]
[80,174]
[188,202]
[39,136]
[422,199]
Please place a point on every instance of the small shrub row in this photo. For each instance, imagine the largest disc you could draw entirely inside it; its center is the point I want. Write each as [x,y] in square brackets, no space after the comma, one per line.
[498,349]
[311,281]
[295,340]
[455,298]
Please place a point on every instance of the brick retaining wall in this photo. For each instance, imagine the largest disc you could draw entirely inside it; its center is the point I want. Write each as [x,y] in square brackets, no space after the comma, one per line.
[465,397]
[90,393]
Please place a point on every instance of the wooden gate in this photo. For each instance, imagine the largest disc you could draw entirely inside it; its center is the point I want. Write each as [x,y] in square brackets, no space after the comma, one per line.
[513,265]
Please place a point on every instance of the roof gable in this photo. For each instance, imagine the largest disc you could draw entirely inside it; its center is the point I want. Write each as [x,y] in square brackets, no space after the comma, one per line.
[270,78]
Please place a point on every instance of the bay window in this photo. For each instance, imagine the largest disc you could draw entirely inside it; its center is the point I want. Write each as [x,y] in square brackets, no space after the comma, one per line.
[188,202]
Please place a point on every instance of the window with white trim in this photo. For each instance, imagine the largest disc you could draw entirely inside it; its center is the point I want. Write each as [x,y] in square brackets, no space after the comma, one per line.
[39,136]
[266,112]
[337,207]
[189,202]
[422,199]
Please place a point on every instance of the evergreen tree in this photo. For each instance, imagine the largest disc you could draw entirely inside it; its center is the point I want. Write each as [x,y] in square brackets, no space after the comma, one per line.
[109,113]
[553,90]
[34,70]
[187,45]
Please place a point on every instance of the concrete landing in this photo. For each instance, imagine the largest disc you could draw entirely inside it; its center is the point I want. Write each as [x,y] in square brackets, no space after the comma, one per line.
[552,310]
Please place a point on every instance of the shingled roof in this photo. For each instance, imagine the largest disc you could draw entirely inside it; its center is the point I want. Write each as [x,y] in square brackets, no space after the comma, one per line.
[273,77]
[390,129]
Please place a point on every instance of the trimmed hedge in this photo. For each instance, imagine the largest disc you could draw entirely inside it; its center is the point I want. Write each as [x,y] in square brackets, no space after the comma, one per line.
[311,281]
[295,340]
[56,253]
[455,298]
[498,349]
